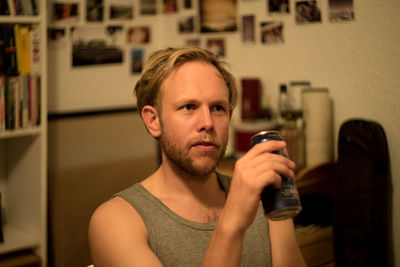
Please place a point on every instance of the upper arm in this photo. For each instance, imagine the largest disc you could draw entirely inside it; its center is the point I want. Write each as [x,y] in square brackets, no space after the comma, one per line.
[284,248]
[118,236]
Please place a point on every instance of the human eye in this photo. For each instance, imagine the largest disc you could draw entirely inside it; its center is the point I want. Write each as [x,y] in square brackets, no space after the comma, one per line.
[218,108]
[188,107]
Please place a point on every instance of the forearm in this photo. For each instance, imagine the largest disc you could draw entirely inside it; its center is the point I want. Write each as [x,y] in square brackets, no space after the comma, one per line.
[284,247]
[225,248]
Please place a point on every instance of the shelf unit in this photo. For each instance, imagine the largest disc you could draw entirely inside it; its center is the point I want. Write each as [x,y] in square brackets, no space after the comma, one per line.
[23,166]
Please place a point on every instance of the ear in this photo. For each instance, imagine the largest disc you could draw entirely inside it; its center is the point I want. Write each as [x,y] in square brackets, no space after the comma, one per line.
[152,120]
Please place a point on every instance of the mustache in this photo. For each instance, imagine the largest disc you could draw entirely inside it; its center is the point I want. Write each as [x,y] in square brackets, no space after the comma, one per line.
[204,138]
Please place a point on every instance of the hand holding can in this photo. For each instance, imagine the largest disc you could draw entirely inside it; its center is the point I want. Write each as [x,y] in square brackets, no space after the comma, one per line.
[284,202]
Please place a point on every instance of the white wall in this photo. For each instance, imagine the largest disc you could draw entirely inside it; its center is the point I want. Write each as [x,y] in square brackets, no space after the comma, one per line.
[357,61]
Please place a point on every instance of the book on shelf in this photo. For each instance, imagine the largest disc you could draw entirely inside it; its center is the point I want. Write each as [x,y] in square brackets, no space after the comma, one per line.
[4,8]
[20,101]
[20,84]
[34,48]
[19,7]
[9,50]
[2,104]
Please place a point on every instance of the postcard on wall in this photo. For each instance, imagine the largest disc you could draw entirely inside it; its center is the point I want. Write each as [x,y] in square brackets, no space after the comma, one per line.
[341,10]
[137,58]
[218,15]
[217,46]
[186,24]
[94,10]
[56,38]
[248,30]
[307,12]
[278,6]
[64,12]
[121,9]
[96,45]
[187,4]
[193,42]
[148,7]
[138,35]
[271,32]
[170,6]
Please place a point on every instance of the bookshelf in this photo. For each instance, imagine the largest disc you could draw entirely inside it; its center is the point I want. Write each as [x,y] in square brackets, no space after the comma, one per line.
[23,157]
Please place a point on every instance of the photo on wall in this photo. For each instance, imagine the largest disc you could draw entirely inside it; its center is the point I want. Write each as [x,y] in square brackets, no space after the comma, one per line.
[278,6]
[170,6]
[248,30]
[96,45]
[218,15]
[341,10]
[64,12]
[217,46]
[137,58]
[138,35]
[56,38]
[193,42]
[94,10]
[121,9]
[307,12]
[271,32]
[186,24]
[148,7]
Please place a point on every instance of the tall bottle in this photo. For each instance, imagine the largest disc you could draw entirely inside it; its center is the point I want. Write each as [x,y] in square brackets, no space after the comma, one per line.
[282,105]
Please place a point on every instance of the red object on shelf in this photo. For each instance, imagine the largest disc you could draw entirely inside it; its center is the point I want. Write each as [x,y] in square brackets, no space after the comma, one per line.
[251,98]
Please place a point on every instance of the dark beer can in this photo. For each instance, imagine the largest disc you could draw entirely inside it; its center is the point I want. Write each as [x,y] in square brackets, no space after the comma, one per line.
[282,203]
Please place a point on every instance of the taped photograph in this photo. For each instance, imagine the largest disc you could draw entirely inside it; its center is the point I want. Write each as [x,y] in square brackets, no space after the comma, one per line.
[341,10]
[96,45]
[307,12]
[218,16]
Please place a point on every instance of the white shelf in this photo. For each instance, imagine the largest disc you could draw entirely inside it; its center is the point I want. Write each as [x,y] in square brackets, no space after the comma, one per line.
[20,19]
[20,132]
[23,166]
[16,239]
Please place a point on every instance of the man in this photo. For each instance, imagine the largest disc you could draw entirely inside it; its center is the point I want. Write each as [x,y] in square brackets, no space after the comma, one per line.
[183,215]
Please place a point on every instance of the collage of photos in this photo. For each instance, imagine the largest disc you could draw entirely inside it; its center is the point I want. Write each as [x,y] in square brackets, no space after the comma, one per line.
[85,23]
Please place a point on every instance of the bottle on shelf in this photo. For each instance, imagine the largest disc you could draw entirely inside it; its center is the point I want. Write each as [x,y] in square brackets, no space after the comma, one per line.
[290,124]
[282,104]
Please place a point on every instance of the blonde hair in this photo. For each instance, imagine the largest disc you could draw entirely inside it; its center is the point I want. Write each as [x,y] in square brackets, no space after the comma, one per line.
[161,63]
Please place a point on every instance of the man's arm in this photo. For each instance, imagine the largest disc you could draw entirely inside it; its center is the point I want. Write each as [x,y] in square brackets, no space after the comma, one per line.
[255,170]
[284,248]
[118,237]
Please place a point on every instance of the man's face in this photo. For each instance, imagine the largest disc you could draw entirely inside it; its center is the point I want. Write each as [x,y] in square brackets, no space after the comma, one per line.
[194,119]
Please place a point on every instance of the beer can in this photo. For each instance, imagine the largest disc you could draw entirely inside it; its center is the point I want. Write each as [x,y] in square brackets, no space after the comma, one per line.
[278,203]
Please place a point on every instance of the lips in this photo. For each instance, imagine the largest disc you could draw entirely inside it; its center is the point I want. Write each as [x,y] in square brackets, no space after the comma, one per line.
[205,145]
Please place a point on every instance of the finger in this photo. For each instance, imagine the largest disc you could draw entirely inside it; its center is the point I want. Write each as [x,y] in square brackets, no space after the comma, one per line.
[268,158]
[264,147]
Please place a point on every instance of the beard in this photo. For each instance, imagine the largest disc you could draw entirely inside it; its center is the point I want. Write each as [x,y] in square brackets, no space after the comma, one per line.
[184,164]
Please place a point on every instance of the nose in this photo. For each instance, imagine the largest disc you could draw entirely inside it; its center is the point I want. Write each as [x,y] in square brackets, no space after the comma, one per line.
[205,120]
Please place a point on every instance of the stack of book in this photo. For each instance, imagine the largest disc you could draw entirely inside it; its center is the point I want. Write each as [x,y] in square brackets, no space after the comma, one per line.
[19,7]
[19,76]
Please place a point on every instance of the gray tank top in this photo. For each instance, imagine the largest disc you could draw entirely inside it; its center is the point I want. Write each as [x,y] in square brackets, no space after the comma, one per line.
[179,242]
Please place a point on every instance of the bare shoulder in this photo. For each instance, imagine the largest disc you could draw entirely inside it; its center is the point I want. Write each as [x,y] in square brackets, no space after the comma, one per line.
[118,236]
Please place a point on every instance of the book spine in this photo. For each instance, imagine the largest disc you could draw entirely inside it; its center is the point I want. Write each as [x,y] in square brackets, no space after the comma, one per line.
[11,7]
[10,103]
[33,93]
[24,49]
[10,50]
[25,100]
[2,104]
[4,8]
[17,47]
[34,37]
